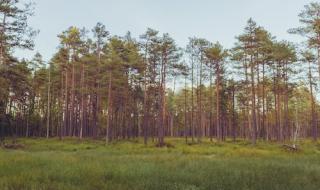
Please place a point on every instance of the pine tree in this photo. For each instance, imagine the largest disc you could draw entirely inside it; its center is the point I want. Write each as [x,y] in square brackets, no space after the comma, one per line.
[216,56]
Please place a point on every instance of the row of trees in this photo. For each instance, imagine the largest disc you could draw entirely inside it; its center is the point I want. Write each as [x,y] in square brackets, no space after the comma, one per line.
[120,87]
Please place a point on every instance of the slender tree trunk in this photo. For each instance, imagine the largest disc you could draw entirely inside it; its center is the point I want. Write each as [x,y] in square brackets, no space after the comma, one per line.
[192,101]
[211,105]
[279,104]
[185,109]
[97,101]
[234,135]
[313,114]
[66,105]
[286,103]
[145,99]
[82,102]
[258,104]
[48,104]
[253,103]
[218,124]
[72,107]
[162,104]
[200,102]
[263,99]
[247,109]
[109,110]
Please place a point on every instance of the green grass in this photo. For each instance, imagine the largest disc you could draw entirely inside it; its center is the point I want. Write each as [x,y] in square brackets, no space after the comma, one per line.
[87,165]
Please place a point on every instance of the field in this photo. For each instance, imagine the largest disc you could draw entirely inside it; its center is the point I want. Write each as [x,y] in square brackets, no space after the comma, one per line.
[71,164]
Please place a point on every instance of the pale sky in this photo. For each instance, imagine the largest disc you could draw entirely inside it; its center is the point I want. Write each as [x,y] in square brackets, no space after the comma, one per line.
[215,20]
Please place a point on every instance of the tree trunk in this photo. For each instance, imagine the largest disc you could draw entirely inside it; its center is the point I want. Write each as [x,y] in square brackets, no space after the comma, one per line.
[82,102]
[218,124]
[253,103]
[185,109]
[313,114]
[109,109]
[48,104]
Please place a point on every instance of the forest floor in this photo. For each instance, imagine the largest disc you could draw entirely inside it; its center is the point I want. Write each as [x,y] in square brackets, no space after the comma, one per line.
[40,164]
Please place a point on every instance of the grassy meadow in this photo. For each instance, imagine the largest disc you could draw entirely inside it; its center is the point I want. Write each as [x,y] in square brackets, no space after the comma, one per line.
[42,164]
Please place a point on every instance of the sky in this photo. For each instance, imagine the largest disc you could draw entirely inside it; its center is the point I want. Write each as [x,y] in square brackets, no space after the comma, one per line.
[214,20]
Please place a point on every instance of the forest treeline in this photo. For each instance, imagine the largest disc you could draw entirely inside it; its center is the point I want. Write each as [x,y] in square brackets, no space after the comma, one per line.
[117,87]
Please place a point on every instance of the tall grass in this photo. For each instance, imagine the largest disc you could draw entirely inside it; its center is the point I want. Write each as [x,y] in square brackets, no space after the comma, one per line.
[87,165]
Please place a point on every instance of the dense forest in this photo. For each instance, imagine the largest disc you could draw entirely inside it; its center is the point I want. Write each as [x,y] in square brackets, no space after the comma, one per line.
[100,85]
